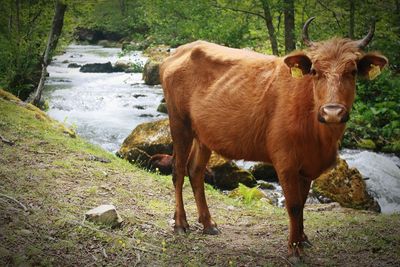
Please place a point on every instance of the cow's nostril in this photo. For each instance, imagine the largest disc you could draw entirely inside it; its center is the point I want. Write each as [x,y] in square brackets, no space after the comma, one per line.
[333,110]
[334,113]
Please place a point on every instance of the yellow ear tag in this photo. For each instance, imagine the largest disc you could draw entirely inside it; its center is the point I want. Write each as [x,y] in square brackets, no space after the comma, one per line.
[296,71]
[374,71]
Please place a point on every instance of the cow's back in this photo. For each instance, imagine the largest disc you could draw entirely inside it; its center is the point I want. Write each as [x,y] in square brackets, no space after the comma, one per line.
[221,91]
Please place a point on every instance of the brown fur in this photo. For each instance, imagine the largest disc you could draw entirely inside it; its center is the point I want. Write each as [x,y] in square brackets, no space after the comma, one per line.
[162,163]
[245,105]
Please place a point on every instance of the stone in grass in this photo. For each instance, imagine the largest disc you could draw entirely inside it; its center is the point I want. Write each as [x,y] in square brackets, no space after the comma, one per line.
[104,214]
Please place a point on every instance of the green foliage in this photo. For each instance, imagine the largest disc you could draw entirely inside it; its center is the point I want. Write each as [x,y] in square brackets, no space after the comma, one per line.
[116,16]
[23,35]
[376,114]
[246,194]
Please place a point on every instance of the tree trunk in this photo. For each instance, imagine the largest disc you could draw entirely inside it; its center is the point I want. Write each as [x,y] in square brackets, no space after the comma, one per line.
[351,22]
[18,23]
[270,27]
[122,6]
[290,43]
[55,31]
[398,15]
[10,20]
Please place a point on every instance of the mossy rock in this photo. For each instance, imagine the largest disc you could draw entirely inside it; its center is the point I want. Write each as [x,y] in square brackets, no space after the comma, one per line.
[265,172]
[266,186]
[151,137]
[228,175]
[162,108]
[151,74]
[157,53]
[346,186]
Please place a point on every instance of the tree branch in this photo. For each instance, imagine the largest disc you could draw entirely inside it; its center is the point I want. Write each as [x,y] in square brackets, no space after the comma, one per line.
[16,201]
[332,11]
[239,10]
[8,142]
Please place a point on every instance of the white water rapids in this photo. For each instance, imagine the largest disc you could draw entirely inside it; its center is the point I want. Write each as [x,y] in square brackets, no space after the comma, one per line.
[106,107]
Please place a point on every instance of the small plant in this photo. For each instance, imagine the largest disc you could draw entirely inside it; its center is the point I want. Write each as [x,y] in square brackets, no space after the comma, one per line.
[247,194]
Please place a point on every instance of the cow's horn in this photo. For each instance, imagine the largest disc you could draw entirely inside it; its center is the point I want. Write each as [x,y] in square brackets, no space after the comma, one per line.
[365,41]
[306,40]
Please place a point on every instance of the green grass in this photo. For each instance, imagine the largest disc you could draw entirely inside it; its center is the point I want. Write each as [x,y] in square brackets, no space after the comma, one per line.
[51,174]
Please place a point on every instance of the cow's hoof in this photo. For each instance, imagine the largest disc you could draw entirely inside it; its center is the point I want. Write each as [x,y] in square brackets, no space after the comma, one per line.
[211,230]
[306,244]
[180,230]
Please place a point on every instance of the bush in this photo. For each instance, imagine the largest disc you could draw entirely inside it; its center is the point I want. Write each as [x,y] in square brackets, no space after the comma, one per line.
[376,114]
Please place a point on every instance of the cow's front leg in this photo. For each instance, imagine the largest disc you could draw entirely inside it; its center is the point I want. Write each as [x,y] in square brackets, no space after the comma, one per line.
[305,187]
[293,193]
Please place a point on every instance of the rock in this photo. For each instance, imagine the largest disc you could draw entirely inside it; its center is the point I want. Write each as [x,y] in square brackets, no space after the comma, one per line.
[107,43]
[346,186]
[227,174]
[162,108]
[140,107]
[265,172]
[151,74]
[122,64]
[152,138]
[157,53]
[139,95]
[266,186]
[92,36]
[25,232]
[136,156]
[134,46]
[97,67]
[74,65]
[104,214]
[146,116]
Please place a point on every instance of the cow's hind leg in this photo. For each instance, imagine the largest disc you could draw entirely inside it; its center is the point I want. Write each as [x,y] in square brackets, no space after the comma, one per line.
[198,159]
[182,141]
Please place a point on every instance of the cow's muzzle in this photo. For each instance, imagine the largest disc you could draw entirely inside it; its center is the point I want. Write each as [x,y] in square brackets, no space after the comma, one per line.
[333,113]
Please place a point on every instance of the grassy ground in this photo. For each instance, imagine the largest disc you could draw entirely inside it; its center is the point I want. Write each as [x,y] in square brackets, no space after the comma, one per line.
[54,179]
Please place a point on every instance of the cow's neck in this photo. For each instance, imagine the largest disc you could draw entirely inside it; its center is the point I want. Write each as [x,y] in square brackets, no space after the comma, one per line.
[328,138]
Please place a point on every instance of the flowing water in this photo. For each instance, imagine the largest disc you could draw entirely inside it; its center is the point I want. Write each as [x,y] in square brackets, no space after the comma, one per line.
[106,107]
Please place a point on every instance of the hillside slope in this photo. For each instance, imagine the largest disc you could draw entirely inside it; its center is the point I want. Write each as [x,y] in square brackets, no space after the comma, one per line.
[48,180]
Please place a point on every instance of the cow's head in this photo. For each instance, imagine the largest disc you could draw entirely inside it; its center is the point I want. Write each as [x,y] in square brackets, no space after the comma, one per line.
[334,65]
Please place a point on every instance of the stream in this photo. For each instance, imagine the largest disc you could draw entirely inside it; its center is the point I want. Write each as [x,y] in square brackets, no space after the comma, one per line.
[105,107]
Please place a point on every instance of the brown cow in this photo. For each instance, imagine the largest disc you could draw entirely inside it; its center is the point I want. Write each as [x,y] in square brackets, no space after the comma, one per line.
[246,105]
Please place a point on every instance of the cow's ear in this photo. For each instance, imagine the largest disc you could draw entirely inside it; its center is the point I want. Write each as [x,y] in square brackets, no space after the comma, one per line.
[370,65]
[299,64]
